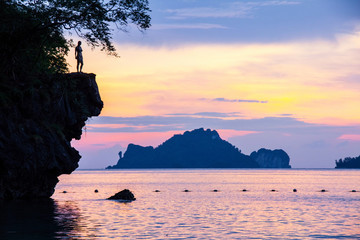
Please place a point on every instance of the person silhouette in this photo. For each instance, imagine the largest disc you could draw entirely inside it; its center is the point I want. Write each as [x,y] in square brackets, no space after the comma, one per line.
[79,57]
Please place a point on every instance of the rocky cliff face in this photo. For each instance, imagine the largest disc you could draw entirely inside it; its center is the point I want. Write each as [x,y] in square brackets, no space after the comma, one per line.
[271,158]
[37,124]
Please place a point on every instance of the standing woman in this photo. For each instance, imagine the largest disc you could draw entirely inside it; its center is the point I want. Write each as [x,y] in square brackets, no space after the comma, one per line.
[79,57]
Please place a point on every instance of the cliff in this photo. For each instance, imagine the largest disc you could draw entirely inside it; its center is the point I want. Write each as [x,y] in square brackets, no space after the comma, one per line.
[194,149]
[37,123]
[271,158]
[348,162]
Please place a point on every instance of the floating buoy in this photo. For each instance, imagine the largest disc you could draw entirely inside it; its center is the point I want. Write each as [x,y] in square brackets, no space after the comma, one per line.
[96,191]
[323,190]
[215,190]
[244,190]
[64,192]
[294,190]
[353,190]
[186,190]
[157,190]
[273,190]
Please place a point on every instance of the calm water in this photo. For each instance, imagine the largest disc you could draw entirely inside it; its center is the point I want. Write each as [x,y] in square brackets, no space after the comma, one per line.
[201,213]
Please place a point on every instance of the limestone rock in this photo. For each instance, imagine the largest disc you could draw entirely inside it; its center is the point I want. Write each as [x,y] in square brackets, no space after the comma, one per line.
[271,158]
[36,129]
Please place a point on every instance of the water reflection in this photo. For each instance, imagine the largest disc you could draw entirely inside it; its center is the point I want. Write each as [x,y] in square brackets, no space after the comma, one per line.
[45,219]
[169,213]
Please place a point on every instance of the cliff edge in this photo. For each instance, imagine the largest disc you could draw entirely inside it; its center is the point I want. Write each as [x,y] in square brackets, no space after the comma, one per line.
[37,123]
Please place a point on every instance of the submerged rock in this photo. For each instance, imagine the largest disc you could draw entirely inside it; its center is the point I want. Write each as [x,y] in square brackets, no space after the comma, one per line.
[125,194]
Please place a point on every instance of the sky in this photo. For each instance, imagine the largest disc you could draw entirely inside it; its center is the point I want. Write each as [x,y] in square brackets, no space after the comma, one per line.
[275,74]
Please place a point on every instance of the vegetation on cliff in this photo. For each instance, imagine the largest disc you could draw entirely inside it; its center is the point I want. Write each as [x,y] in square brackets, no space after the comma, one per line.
[348,162]
[32,32]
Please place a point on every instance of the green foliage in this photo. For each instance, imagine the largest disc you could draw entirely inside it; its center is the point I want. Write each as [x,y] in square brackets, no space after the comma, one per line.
[32,42]
[32,32]
[348,162]
[26,49]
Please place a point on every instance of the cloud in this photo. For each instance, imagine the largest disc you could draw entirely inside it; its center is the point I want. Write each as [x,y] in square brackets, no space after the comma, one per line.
[208,114]
[204,12]
[187,26]
[231,10]
[353,79]
[185,122]
[237,100]
[350,137]
[314,80]
[272,3]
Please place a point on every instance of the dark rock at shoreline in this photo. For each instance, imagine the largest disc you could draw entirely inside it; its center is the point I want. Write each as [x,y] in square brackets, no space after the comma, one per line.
[271,158]
[125,195]
[36,129]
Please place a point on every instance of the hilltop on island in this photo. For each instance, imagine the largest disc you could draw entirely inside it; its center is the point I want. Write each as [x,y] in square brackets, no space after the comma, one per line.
[198,149]
[348,162]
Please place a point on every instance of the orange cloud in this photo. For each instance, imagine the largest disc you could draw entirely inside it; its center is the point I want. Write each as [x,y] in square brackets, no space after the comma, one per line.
[309,80]
[350,137]
[101,140]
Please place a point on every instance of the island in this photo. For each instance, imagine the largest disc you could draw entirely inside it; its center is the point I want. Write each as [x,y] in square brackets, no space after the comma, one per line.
[348,162]
[199,148]
[266,158]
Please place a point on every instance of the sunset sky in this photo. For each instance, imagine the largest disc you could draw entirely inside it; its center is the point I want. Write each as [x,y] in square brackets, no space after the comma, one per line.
[272,74]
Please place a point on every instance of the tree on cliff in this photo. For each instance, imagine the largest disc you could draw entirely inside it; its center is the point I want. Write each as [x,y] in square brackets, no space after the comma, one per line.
[32,33]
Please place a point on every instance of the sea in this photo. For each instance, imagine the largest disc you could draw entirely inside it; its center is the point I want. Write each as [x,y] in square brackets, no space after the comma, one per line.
[193,204]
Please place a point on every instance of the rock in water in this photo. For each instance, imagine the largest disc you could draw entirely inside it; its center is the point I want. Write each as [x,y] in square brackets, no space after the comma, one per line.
[36,128]
[271,158]
[125,194]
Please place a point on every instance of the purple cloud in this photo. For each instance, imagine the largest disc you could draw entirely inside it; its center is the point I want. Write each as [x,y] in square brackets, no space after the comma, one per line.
[238,100]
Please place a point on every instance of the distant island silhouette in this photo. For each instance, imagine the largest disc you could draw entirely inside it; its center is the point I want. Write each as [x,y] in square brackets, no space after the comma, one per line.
[348,162]
[199,149]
